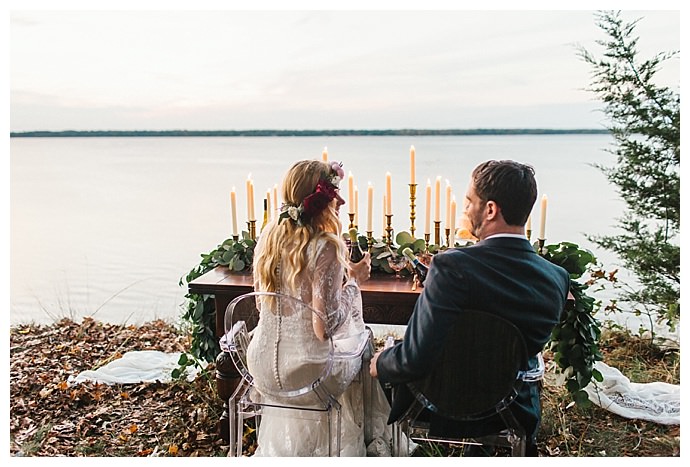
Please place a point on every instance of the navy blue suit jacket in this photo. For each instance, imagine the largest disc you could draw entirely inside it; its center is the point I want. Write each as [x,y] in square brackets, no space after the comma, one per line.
[500,275]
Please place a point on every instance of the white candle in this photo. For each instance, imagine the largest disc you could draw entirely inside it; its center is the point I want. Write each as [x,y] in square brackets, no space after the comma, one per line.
[356,207]
[542,224]
[448,193]
[233,209]
[324,154]
[412,165]
[250,198]
[384,216]
[437,207]
[427,221]
[351,193]
[453,208]
[275,198]
[389,211]
[370,207]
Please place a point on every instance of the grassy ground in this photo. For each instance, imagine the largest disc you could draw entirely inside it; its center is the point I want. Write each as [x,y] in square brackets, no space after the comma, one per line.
[49,417]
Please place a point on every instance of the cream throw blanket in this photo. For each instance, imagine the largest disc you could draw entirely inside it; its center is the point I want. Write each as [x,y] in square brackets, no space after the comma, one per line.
[656,402]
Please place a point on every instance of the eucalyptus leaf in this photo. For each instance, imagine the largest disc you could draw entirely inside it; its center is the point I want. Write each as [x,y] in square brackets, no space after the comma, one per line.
[404,238]
[238,265]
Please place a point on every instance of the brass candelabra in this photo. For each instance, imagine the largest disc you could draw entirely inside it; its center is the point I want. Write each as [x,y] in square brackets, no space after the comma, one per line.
[426,241]
[540,246]
[370,239]
[413,191]
[235,237]
[448,238]
[389,229]
[351,215]
[437,233]
[252,229]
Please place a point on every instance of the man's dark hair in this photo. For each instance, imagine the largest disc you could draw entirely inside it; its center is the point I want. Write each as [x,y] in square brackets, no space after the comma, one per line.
[509,184]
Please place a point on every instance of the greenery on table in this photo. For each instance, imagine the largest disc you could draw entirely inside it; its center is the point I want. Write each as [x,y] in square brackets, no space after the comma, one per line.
[645,123]
[200,309]
[574,340]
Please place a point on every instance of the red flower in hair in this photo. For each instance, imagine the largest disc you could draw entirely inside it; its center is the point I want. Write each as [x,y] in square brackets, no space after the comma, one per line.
[316,202]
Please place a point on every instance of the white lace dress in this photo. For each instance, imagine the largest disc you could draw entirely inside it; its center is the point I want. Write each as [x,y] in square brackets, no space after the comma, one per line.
[301,354]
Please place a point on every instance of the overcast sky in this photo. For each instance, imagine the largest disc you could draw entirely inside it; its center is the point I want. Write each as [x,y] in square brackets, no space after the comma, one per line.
[212,70]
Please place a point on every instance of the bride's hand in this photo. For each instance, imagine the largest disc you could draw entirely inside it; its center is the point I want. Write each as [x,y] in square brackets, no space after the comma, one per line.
[361,271]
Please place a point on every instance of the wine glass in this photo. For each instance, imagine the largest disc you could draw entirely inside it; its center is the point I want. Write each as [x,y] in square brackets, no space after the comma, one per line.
[424,258]
[398,263]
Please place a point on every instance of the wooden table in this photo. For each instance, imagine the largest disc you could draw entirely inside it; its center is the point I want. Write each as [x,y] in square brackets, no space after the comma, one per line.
[385,300]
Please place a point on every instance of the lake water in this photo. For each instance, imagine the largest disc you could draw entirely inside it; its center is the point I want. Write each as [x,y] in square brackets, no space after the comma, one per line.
[106,227]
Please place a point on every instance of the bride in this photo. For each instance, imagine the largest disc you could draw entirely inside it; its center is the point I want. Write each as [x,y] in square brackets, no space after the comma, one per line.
[301,254]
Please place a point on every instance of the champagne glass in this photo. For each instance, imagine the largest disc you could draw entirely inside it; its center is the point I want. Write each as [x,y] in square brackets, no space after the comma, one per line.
[397,263]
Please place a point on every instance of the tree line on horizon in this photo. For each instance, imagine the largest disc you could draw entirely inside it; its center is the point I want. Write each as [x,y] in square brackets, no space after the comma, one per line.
[390,132]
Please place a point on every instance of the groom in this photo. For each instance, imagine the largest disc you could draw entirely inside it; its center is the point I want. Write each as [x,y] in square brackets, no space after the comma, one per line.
[501,274]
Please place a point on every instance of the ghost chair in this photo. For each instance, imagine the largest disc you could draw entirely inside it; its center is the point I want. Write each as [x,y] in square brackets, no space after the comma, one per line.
[307,391]
[478,374]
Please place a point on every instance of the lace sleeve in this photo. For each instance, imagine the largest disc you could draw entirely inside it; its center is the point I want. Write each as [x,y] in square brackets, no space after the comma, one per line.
[338,302]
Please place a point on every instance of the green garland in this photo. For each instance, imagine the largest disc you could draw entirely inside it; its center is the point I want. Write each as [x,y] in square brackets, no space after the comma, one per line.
[574,341]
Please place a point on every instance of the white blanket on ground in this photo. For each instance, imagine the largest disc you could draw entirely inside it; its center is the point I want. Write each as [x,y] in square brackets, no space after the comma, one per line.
[136,367]
[656,402]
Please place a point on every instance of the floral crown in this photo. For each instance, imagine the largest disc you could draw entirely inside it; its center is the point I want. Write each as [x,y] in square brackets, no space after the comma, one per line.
[325,192]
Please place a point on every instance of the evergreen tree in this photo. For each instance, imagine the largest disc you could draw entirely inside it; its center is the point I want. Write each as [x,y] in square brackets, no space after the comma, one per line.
[645,122]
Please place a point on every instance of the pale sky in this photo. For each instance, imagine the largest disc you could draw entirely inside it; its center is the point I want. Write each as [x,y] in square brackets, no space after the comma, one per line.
[130,69]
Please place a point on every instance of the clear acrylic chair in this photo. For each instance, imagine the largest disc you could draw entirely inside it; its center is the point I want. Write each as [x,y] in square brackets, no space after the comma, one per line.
[306,393]
[478,375]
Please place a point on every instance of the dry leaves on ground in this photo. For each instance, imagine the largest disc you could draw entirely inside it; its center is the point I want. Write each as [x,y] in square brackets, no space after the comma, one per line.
[50,417]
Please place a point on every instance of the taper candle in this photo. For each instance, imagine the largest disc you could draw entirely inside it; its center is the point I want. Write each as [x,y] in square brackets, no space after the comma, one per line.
[437,207]
[542,224]
[453,209]
[356,206]
[275,198]
[370,206]
[233,207]
[351,193]
[324,154]
[427,221]
[250,198]
[448,193]
[384,215]
[412,154]
[388,194]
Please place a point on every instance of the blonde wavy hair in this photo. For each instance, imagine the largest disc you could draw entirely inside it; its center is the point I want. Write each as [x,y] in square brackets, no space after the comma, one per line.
[288,241]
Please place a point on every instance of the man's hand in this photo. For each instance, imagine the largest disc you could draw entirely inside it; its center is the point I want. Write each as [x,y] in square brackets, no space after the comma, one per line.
[372,365]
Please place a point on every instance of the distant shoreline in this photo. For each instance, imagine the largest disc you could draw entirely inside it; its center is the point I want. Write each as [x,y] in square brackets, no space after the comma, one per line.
[298,133]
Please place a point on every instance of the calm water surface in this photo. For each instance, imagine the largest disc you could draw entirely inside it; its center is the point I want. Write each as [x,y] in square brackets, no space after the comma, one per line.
[107,226]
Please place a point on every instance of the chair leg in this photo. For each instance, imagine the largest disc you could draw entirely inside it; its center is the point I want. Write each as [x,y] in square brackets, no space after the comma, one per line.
[232,420]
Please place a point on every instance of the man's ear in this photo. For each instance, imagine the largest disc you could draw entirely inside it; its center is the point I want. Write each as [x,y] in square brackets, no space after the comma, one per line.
[492,210]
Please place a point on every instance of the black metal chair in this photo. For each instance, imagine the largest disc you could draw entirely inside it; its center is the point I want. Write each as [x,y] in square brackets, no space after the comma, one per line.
[477,375]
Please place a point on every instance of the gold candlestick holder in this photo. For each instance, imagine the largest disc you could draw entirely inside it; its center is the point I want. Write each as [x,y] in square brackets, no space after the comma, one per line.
[528,232]
[448,238]
[252,229]
[413,191]
[370,239]
[236,237]
[437,233]
[426,241]
[389,229]
[351,215]
[540,246]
